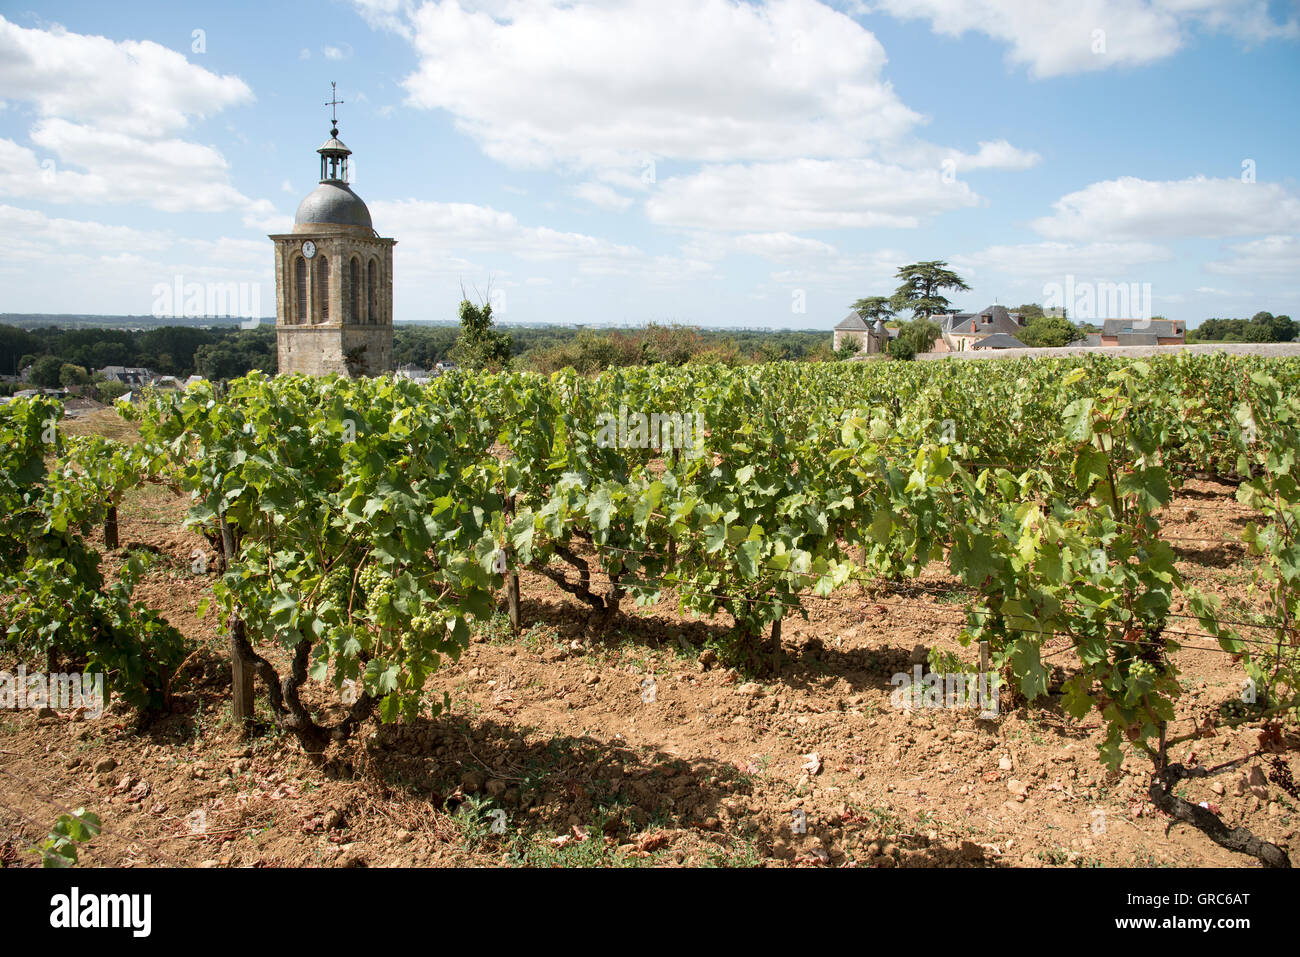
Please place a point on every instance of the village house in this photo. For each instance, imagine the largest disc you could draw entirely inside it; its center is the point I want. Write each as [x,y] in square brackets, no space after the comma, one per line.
[871,340]
[961,331]
[127,375]
[1143,332]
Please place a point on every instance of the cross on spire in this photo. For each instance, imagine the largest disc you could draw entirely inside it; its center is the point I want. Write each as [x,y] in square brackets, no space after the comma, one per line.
[333,103]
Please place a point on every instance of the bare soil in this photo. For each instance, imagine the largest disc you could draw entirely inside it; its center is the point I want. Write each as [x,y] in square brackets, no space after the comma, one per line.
[637,747]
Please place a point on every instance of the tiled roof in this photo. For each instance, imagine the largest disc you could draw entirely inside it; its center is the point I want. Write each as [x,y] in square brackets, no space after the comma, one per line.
[999,340]
[1164,328]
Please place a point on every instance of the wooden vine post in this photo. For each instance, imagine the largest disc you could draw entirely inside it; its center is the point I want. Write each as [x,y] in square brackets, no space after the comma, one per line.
[110,528]
[241,674]
[512,572]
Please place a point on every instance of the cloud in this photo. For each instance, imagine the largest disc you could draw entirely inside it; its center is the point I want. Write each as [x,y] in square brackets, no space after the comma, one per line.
[1090,261]
[1132,208]
[598,194]
[37,232]
[137,87]
[116,266]
[766,81]
[431,232]
[1087,35]
[782,246]
[770,116]
[108,114]
[806,194]
[169,175]
[997,154]
[1271,256]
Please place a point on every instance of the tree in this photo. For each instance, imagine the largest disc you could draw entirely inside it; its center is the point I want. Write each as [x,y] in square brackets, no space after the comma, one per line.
[71,375]
[873,308]
[1050,331]
[479,345]
[915,337]
[1270,328]
[903,349]
[921,288]
[45,372]
[1261,327]
[110,391]
[852,346]
[15,345]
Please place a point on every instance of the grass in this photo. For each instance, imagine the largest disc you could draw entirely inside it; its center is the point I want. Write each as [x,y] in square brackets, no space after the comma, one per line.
[104,422]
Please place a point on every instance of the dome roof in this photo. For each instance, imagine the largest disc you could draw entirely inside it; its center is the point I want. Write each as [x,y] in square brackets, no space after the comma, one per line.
[333,203]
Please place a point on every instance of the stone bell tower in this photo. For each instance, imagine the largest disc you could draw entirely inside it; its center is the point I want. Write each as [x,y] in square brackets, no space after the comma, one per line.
[334,278]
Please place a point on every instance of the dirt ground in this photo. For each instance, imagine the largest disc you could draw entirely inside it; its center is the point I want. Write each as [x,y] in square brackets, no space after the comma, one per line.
[637,748]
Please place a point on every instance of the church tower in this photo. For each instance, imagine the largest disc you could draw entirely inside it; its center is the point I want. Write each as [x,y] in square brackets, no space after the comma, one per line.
[334,279]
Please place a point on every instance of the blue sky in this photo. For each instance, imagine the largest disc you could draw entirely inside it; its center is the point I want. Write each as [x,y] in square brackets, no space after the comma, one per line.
[702,161]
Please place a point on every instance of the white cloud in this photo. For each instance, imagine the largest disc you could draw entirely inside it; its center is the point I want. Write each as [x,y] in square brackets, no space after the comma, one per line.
[431,232]
[997,154]
[782,246]
[108,111]
[611,84]
[168,175]
[137,87]
[1088,261]
[34,230]
[1271,256]
[1132,208]
[598,194]
[806,194]
[122,265]
[770,116]
[1052,39]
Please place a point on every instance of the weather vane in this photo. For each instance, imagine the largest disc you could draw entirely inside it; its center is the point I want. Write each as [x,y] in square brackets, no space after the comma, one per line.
[333,103]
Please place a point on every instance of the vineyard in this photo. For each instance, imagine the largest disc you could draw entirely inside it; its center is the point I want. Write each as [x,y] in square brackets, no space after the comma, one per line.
[659,616]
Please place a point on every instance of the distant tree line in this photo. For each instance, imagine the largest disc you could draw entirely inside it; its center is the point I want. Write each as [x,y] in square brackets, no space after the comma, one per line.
[181,351]
[1261,327]
[70,357]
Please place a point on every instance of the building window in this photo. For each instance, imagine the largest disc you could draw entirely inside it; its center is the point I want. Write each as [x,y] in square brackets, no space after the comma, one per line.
[300,289]
[354,290]
[372,292]
[323,290]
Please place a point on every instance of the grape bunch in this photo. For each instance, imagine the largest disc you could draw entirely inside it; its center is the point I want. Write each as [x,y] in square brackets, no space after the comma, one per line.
[337,586]
[376,586]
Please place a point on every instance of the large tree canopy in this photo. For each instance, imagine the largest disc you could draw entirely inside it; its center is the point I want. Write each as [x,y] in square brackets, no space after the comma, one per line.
[873,308]
[922,287]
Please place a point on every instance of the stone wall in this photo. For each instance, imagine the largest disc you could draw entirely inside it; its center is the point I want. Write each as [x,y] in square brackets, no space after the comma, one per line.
[1234,348]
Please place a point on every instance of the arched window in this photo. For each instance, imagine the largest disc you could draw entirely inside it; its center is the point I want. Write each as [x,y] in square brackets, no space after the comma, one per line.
[354,290]
[372,293]
[323,290]
[300,289]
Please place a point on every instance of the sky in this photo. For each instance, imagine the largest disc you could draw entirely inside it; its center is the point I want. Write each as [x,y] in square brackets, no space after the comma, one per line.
[713,162]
